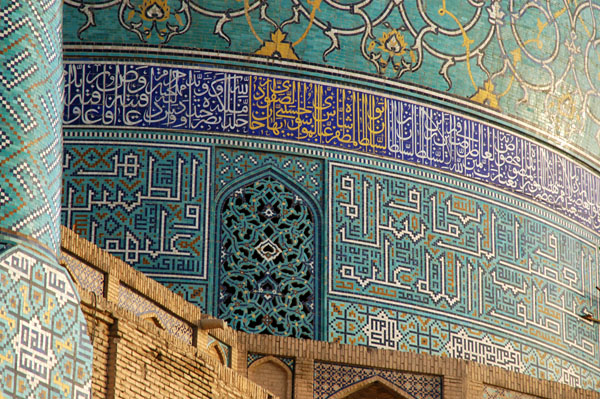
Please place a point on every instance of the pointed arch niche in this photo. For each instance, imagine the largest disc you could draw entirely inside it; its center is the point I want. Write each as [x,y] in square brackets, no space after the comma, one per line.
[217,352]
[273,375]
[268,255]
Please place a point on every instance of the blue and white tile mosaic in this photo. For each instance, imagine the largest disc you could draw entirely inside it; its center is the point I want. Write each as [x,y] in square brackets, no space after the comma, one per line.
[330,378]
[30,119]
[421,229]
[199,100]
[530,61]
[86,276]
[44,346]
[427,262]
[143,202]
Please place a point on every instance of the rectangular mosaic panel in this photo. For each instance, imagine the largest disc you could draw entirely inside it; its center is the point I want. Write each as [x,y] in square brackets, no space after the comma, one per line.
[534,66]
[158,96]
[146,309]
[421,262]
[145,202]
[86,276]
[330,378]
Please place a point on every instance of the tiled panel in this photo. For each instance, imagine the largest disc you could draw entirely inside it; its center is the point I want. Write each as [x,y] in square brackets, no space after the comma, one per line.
[430,263]
[30,119]
[145,202]
[284,194]
[87,277]
[146,309]
[444,234]
[44,346]
[267,257]
[535,62]
[418,259]
[330,378]
[231,164]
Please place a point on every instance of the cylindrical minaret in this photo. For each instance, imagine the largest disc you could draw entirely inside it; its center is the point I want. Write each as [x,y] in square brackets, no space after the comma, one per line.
[419,176]
[44,347]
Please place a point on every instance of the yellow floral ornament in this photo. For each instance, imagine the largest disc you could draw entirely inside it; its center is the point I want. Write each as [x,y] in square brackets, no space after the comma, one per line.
[155,10]
[277,47]
[393,47]
[485,95]
[392,43]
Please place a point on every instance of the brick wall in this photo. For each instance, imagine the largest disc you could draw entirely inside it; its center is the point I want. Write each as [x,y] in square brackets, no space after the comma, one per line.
[136,357]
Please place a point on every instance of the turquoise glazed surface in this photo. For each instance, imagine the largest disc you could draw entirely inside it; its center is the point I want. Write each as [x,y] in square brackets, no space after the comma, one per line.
[534,62]
[410,176]
[45,351]
[30,112]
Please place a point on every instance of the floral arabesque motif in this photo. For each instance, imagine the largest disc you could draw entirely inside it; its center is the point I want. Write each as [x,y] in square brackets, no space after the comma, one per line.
[266,282]
[391,48]
[145,17]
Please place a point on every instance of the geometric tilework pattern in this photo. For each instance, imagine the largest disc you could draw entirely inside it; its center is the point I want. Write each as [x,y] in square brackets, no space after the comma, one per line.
[113,194]
[87,277]
[146,309]
[231,164]
[193,291]
[536,63]
[491,392]
[267,260]
[144,202]
[419,260]
[485,249]
[418,257]
[45,351]
[330,378]
[328,116]
[31,118]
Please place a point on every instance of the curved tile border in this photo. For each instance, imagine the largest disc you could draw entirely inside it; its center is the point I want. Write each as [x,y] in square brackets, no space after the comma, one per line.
[189,99]
[534,61]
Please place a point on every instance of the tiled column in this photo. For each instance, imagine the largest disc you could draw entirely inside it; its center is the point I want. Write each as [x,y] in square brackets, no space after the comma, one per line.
[44,348]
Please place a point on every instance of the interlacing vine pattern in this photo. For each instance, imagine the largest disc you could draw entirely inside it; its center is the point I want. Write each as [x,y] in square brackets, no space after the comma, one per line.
[266,281]
[537,61]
